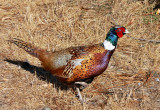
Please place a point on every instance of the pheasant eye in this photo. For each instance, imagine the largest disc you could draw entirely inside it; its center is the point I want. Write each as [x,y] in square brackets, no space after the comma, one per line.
[118,30]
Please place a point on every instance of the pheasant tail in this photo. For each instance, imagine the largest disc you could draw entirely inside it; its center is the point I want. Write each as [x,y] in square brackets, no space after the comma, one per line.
[28,47]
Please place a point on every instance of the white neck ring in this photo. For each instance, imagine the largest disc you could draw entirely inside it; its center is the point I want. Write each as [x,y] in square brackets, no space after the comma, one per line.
[108,45]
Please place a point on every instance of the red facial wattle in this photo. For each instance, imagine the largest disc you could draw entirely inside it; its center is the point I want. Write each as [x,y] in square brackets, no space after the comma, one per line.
[120,31]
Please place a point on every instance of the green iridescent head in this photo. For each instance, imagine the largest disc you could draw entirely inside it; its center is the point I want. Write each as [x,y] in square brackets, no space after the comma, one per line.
[115,33]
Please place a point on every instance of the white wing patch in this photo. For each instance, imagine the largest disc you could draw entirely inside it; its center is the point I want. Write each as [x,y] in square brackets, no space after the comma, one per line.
[70,66]
[76,62]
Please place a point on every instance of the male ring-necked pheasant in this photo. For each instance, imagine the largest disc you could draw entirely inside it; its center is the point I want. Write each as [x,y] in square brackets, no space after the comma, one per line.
[75,65]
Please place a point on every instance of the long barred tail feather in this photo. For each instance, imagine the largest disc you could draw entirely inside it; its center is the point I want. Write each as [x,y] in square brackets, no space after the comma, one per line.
[28,47]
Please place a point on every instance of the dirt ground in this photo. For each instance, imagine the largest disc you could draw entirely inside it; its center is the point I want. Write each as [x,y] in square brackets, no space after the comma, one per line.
[131,81]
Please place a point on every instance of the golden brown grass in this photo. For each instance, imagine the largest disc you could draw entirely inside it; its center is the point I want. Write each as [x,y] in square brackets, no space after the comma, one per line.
[53,25]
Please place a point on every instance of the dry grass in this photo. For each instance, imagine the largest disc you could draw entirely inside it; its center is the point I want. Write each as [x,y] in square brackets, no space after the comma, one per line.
[53,25]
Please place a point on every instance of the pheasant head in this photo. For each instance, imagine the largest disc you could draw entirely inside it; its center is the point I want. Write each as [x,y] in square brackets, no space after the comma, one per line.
[112,37]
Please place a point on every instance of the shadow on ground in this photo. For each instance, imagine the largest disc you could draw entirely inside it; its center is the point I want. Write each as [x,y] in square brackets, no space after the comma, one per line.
[40,73]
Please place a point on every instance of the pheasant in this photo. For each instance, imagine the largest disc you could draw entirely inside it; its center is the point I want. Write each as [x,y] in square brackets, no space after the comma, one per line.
[77,65]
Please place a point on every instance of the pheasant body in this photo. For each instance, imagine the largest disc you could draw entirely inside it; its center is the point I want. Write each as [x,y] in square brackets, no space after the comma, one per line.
[85,63]
[72,64]
[76,63]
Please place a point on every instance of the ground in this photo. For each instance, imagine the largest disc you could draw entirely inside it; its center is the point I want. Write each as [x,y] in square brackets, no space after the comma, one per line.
[132,79]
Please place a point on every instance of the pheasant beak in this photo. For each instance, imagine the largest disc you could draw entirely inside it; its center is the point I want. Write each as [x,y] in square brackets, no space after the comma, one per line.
[126,31]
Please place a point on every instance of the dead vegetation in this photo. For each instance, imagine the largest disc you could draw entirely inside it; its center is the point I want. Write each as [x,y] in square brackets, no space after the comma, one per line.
[131,80]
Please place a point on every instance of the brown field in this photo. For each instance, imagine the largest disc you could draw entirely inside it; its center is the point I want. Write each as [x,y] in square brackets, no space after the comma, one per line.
[132,80]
